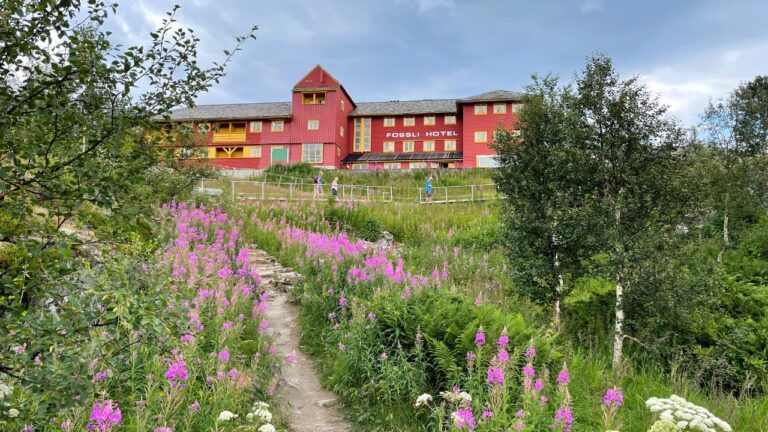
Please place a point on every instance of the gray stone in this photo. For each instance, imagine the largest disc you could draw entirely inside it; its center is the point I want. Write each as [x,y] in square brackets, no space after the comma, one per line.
[326,403]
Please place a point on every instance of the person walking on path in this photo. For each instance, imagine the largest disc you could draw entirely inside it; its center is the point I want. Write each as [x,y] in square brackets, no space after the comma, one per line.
[318,180]
[335,186]
[428,189]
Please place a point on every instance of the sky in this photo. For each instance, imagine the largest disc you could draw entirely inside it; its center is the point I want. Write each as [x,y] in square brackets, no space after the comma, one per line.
[686,51]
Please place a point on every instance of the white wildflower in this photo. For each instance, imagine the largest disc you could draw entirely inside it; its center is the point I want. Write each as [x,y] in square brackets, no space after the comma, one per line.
[13,413]
[263,414]
[226,416]
[260,405]
[423,399]
[465,397]
[5,390]
[686,415]
[249,416]
[267,428]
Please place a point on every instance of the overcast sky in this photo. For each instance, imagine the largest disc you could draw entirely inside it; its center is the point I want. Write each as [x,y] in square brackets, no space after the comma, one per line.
[686,51]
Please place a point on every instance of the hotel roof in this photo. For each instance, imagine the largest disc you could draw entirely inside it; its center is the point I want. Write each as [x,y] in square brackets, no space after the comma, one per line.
[247,111]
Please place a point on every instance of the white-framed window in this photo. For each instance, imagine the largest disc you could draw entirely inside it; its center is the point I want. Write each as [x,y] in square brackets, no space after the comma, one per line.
[313,124]
[449,119]
[417,165]
[278,126]
[429,146]
[450,145]
[481,136]
[341,131]
[255,127]
[517,107]
[389,146]
[409,121]
[312,153]
[391,165]
[360,166]
[407,146]
[429,120]
[481,109]
[389,122]
[255,152]
[500,108]
[488,161]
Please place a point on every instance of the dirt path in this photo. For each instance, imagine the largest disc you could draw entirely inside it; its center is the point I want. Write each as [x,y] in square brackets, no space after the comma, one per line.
[309,407]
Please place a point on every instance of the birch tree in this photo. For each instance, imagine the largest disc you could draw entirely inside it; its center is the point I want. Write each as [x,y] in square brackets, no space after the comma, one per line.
[540,176]
[630,141]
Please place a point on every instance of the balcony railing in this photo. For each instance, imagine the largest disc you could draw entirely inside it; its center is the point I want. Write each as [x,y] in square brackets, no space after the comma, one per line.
[229,137]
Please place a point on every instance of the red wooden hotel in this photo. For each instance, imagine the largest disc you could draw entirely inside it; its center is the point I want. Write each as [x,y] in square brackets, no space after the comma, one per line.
[323,126]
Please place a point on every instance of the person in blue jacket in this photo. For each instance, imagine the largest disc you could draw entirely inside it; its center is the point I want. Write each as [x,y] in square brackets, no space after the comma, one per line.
[428,189]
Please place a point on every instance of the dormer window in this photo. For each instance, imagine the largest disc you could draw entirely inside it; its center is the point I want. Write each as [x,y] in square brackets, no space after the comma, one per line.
[313,98]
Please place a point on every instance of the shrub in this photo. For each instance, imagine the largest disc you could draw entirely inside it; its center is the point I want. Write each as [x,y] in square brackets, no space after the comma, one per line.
[370,230]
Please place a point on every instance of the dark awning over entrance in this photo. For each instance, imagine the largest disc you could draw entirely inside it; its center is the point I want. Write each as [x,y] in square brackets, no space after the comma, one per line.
[397,157]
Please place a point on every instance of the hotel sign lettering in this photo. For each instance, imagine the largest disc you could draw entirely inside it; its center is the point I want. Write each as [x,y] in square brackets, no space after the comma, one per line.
[429,134]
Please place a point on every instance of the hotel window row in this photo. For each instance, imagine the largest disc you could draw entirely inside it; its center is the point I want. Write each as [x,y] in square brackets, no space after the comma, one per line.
[276,126]
[429,120]
[498,108]
[427,146]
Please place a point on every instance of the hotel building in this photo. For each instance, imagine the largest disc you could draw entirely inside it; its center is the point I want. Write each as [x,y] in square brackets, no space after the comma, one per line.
[324,126]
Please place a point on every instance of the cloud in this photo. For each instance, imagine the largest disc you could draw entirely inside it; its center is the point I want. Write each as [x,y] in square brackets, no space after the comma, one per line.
[687,86]
[588,6]
[429,5]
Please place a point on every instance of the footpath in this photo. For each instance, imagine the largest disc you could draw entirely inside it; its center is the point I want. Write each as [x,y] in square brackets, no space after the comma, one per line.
[309,407]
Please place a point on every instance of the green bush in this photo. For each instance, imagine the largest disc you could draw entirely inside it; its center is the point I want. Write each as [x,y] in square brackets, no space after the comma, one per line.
[370,230]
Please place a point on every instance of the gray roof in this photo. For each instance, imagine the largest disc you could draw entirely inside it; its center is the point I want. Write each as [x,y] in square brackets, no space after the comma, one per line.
[244,111]
[496,95]
[417,156]
[426,106]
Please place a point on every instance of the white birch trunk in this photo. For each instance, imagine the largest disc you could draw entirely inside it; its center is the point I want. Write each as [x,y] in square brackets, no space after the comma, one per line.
[618,336]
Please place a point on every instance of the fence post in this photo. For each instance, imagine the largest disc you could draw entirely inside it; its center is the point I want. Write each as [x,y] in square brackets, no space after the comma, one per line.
[419,195]
[233,193]
[473,192]
[290,191]
[446,194]
[391,194]
[368,193]
[263,196]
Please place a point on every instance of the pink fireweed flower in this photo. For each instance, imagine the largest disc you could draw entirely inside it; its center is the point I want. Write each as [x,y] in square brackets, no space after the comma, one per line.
[503,356]
[563,378]
[67,425]
[194,406]
[519,425]
[538,385]
[187,338]
[530,353]
[543,400]
[163,429]
[495,375]
[220,375]
[290,358]
[480,337]
[503,339]
[342,301]
[332,316]
[98,376]
[486,414]
[463,418]
[563,419]
[406,293]
[27,428]
[471,356]
[342,347]
[528,371]
[478,301]
[227,325]
[520,414]
[224,355]
[104,416]
[263,325]
[371,316]
[613,397]
[233,374]
[177,372]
